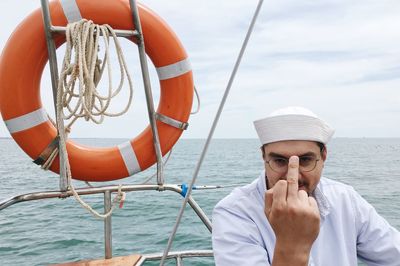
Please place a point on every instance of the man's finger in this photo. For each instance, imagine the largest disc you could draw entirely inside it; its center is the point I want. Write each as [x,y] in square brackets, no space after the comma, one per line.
[279,194]
[268,201]
[292,178]
[303,196]
[313,204]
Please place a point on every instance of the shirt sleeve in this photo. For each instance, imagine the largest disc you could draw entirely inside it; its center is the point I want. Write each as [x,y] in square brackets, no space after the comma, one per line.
[236,240]
[378,243]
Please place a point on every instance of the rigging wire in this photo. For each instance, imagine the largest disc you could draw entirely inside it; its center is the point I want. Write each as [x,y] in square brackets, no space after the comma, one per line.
[221,106]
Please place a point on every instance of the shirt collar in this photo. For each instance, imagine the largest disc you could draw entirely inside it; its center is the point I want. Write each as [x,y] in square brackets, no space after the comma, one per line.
[320,198]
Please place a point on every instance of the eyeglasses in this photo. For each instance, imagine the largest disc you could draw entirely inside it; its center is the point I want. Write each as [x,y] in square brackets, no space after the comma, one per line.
[280,164]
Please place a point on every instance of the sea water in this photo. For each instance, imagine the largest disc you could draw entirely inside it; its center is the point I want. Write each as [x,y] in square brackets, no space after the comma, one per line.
[60,230]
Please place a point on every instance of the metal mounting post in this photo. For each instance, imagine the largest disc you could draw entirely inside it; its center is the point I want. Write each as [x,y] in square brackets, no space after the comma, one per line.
[51,48]
[107,226]
[147,89]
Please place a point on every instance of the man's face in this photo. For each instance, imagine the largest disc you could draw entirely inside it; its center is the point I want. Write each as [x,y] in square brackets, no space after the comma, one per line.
[309,154]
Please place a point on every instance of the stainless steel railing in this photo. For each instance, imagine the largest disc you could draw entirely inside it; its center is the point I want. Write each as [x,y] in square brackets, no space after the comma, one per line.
[107,191]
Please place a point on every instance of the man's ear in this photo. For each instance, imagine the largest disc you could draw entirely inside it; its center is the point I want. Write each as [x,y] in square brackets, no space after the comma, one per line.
[263,152]
[324,153]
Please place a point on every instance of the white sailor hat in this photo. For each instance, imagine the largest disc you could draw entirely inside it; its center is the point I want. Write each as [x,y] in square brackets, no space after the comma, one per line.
[293,123]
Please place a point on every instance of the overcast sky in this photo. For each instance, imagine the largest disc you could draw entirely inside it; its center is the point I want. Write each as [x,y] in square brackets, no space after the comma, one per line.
[339,58]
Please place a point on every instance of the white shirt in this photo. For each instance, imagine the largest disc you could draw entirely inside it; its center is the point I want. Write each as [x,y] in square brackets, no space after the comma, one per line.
[349,227]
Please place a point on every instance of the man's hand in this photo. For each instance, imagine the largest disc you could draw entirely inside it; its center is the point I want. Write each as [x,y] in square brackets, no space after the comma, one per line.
[294,217]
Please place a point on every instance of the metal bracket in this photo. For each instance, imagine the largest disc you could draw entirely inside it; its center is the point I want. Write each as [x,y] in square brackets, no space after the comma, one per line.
[172,122]
[42,158]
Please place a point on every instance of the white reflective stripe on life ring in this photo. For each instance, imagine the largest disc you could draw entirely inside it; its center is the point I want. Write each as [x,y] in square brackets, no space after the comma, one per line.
[174,70]
[26,121]
[71,10]
[129,157]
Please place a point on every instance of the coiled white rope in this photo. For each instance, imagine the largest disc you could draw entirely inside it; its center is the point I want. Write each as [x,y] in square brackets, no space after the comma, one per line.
[82,38]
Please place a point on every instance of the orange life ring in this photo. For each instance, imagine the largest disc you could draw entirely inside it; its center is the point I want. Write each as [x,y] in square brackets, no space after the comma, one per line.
[21,66]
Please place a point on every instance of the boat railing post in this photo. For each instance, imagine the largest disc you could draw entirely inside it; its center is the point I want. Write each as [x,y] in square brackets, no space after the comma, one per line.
[147,89]
[200,213]
[107,226]
[179,261]
[51,48]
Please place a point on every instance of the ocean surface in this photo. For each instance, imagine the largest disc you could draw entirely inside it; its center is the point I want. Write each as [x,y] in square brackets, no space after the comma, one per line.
[60,230]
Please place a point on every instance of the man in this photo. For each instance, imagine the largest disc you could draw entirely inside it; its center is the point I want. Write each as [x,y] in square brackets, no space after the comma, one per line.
[290,215]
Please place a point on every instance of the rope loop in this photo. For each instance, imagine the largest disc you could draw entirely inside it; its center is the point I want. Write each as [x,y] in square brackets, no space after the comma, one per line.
[86,70]
[82,70]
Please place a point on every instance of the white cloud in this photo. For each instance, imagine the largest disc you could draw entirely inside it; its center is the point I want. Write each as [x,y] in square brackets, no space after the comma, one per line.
[339,58]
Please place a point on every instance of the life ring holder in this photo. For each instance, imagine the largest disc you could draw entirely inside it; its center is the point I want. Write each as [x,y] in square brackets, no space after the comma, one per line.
[22,64]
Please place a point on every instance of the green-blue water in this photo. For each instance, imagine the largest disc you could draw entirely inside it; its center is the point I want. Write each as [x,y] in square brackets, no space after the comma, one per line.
[59,230]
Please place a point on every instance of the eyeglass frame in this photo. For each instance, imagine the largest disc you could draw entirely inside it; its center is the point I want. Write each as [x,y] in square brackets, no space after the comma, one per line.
[287,163]
[321,146]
